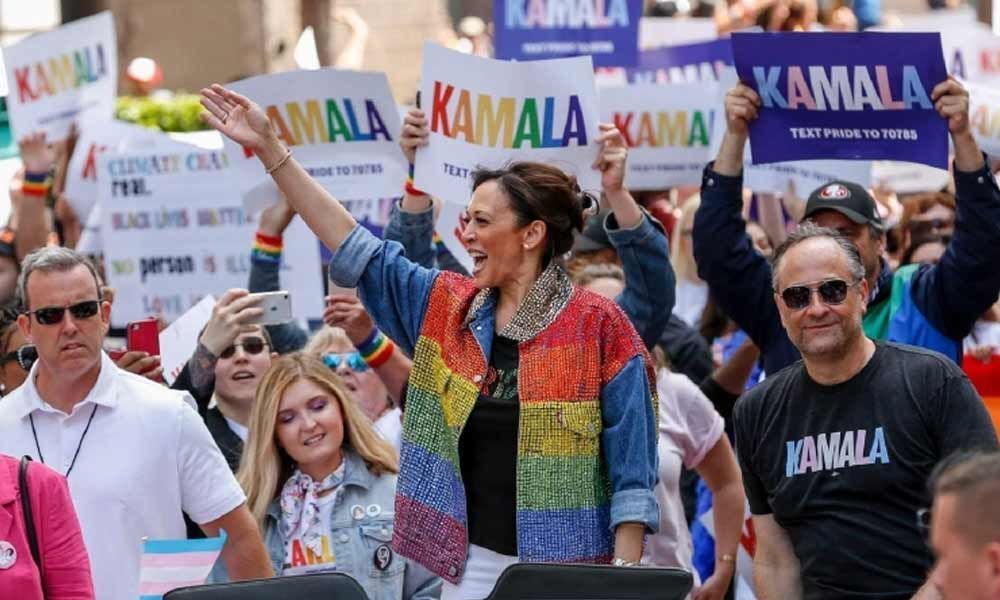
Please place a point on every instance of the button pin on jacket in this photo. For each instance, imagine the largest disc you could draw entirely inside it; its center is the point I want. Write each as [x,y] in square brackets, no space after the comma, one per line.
[374,510]
[383,557]
[8,555]
[358,512]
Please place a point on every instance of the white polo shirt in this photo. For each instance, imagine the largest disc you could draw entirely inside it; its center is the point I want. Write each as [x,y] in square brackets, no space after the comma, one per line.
[146,457]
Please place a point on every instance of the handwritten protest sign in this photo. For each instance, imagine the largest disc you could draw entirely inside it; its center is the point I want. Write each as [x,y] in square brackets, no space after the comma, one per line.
[106,135]
[667,128]
[608,30]
[702,61]
[844,96]
[486,112]
[174,230]
[63,75]
[342,126]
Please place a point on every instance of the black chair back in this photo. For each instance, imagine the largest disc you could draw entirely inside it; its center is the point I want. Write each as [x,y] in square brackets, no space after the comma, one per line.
[547,581]
[315,586]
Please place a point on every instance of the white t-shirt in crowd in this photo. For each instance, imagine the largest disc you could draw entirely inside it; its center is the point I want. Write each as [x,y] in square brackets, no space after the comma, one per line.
[299,559]
[146,457]
[984,333]
[390,427]
[691,297]
[689,427]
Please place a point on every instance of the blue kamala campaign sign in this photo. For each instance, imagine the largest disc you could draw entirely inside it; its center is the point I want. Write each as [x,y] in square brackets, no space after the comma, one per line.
[844,96]
[608,30]
[686,63]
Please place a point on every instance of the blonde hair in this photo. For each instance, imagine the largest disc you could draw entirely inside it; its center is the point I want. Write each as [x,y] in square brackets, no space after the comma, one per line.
[266,466]
[324,338]
[682,255]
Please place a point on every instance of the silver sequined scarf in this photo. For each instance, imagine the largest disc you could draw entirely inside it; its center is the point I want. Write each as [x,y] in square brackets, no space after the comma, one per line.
[545,300]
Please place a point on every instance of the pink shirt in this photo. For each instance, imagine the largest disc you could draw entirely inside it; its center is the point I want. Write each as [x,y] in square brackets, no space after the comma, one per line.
[689,427]
[60,543]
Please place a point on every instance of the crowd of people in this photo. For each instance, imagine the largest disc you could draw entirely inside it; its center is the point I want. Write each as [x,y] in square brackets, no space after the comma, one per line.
[610,363]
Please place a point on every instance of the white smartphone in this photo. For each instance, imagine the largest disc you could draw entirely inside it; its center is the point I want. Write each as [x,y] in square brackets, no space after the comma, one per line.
[277,308]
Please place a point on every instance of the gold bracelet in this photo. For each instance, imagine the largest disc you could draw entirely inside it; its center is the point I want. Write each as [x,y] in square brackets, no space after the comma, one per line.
[284,159]
[726,558]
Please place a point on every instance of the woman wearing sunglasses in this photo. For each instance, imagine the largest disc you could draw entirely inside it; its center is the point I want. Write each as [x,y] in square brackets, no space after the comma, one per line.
[322,483]
[16,354]
[529,424]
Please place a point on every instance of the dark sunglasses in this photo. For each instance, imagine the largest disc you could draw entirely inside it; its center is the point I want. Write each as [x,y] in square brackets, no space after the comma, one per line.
[25,356]
[50,315]
[251,345]
[831,292]
[353,360]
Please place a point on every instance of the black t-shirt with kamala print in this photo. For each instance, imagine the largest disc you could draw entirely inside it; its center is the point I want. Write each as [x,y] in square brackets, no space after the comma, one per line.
[488,453]
[844,468]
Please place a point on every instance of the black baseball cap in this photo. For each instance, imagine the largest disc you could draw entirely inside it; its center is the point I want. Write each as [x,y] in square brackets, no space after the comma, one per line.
[847,198]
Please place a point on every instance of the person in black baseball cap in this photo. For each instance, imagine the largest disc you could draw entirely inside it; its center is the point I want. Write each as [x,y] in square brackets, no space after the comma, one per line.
[851,210]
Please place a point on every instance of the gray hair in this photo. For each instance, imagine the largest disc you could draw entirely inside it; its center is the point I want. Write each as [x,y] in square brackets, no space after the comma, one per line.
[808,230]
[594,271]
[51,260]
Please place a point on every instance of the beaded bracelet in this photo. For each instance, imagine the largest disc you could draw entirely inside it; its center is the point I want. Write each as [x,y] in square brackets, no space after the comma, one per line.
[376,349]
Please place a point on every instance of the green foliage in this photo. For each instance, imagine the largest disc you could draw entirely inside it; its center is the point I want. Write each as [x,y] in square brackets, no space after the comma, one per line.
[178,114]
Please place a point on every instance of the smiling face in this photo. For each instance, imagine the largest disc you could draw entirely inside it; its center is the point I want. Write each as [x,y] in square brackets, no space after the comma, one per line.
[501,249]
[72,346]
[310,428]
[236,377]
[820,329]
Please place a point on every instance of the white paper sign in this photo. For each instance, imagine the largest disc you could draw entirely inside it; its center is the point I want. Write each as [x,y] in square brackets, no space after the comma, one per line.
[178,341]
[656,32]
[668,129]
[96,137]
[805,175]
[342,126]
[907,177]
[174,229]
[448,226]
[90,241]
[61,76]
[487,113]
[984,115]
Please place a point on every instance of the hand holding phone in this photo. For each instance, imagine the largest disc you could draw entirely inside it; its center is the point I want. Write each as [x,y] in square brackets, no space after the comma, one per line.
[143,336]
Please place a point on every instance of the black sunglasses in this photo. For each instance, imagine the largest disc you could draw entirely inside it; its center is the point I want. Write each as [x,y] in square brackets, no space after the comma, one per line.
[50,315]
[250,345]
[831,291]
[25,356]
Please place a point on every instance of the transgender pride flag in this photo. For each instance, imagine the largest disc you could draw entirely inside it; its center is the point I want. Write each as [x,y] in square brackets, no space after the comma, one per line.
[171,564]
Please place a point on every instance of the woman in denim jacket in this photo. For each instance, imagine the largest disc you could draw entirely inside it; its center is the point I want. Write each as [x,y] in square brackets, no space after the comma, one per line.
[529,430]
[322,483]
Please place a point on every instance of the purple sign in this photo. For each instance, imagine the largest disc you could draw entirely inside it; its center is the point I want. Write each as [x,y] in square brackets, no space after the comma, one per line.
[607,30]
[688,63]
[863,96]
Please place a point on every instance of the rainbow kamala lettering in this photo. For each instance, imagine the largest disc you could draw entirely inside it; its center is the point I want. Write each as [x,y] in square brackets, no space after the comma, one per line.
[326,121]
[67,71]
[830,88]
[563,14]
[506,121]
[679,128]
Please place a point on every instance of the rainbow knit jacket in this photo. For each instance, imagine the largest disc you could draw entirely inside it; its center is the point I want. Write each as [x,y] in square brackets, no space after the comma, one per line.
[563,487]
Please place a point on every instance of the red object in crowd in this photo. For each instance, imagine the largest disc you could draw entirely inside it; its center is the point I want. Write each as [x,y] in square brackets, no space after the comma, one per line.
[985,376]
[664,213]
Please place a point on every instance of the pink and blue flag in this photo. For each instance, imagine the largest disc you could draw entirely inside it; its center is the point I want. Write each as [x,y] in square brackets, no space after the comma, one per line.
[172,564]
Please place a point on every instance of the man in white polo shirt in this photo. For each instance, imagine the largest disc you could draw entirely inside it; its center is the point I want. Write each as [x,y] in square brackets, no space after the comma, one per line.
[135,453]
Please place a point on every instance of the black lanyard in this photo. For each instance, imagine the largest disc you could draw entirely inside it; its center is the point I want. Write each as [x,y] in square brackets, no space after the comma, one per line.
[41,458]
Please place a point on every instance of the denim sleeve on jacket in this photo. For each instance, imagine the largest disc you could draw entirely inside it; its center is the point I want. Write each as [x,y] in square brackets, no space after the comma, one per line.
[629,440]
[648,298]
[65,563]
[265,276]
[738,277]
[415,231]
[393,289]
[953,294]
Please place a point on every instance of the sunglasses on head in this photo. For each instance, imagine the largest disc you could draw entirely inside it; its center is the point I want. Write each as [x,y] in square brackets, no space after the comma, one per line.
[831,292]
[25,356]
[250,345]
[353,360]
[50,315]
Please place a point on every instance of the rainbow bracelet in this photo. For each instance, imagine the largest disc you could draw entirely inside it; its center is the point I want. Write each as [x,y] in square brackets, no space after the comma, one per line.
[409,185]
[266,248]
[36,184]
[376,349]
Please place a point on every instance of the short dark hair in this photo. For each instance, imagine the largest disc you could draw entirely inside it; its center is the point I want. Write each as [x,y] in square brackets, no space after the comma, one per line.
[540,192]
[974,480]
[808,230]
